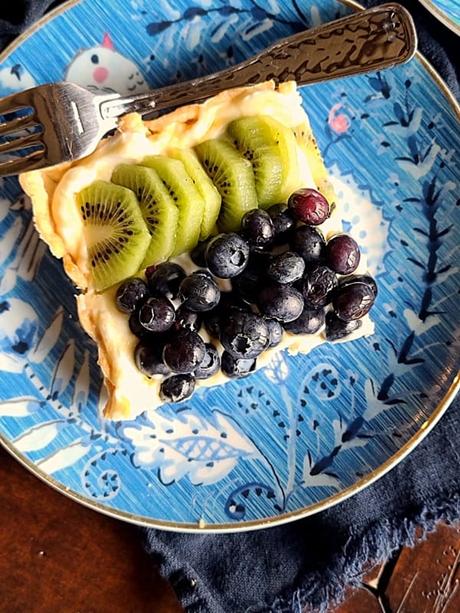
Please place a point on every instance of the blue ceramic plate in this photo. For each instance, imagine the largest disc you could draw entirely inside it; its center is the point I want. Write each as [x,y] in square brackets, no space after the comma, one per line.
[447,11]
[307,431]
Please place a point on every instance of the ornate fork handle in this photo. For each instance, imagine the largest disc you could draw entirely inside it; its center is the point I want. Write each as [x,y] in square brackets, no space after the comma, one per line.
[362,42]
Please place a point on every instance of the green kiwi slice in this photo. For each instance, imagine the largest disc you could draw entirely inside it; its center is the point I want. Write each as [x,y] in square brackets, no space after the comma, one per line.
[287,145]
[253,137]
[157,207]
[207,189]
[115,232]
[232,174]
[186,197]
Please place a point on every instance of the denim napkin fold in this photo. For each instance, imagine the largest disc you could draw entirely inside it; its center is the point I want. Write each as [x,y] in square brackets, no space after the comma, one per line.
[311,561]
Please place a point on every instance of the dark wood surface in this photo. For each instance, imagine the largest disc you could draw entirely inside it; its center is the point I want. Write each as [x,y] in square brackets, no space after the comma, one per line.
[58,556]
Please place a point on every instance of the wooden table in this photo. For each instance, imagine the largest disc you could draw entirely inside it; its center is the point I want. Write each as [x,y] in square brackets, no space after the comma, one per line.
[57,556]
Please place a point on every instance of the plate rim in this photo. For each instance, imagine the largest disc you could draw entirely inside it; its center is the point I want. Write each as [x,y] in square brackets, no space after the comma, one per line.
[256,524]
[440,16]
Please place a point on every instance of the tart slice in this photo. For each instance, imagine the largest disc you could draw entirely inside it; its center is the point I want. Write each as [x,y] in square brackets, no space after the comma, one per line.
[202,243]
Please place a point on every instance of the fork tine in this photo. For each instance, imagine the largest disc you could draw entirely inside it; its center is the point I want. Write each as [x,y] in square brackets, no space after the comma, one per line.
[35,159]
[19,143]
[14,102]
[9,127]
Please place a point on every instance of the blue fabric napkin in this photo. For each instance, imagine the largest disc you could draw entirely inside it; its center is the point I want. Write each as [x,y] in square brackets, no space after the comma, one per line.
[310,562]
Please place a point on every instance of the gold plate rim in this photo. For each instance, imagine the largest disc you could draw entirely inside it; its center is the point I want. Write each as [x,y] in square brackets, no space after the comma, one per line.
[327,503]
[442,17]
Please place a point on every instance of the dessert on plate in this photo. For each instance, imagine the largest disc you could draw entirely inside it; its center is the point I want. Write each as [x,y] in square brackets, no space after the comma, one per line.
[203,242]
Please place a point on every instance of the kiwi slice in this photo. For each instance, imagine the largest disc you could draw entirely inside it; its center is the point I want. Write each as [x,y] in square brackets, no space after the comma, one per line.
[157,207]
[232,174]
[186,197]
[254,139]
[307,144]
[115,232]
[207,189]
[286,142]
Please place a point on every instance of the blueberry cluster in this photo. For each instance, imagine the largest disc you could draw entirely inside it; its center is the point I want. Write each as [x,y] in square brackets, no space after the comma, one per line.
[282,274]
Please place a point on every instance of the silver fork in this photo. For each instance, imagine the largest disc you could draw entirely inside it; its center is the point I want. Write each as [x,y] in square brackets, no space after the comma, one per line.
[64,122]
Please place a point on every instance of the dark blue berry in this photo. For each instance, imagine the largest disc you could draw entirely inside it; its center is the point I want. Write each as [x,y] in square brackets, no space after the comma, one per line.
[319,282]
[342,254]
[365,279]
[227,255]
[281,302]
[229,301]
[189,320]
[309,243]
[210,364]
[257,228]
[165,279]
[276,332]
[337,328]
[177,388]
[149,361]
[212,321]
[156,314]
[310,321]
[137,328]
[283,223]
[184,353]
[286,268]
[248,284]
[199,292]
[131,294]
[244,335]
[353,301]
[236,368]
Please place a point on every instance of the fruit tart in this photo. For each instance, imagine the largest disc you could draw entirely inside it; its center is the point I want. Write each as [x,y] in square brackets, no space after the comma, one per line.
[203,242]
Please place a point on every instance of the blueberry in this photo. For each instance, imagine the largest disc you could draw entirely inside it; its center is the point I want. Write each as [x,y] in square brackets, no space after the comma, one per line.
[337,328]
[186,319]
[236,367]
[197,254]
[342,254]
[227,255]
[353,301]
[309,322]
[366,279]
[244,335]
[248,284]
[309,206]
[257,228]
[229,301]
[149,360]
[283,223]
[177,388]
[165,279]
[210,364]
[212,321]
[309,243]
[130,294]
[157,314]
[199,292]
[286,268]
[275,330]
[319,282]
[281,302]
[137,328]
[184,353]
